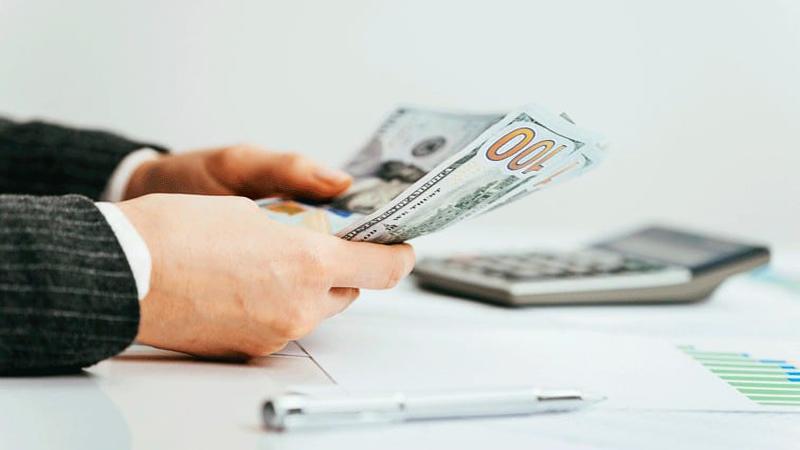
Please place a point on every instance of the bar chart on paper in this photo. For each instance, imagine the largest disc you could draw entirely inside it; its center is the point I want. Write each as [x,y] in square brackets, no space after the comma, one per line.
[764,379]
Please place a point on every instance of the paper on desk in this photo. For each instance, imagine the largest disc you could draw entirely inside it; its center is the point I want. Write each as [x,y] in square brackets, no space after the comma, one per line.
[633,372]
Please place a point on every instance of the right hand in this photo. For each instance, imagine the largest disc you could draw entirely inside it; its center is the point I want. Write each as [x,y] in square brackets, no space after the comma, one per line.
[228,282]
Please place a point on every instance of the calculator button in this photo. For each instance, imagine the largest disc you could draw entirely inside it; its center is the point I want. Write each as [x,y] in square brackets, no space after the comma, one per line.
[486,264]
[607,267]
[580,270]
[528,276]
[527,272]
[554,271]
[495,273]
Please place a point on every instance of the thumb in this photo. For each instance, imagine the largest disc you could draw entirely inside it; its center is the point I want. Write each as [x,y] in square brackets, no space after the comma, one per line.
[300,176]
[260,173]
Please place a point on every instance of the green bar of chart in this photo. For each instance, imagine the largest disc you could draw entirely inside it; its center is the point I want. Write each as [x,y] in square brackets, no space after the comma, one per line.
[766,381]
[749,378]
[778,385]
[746,372]
[789,392]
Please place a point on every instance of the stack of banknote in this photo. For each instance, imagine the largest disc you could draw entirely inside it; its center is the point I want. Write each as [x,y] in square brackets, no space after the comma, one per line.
[424,170]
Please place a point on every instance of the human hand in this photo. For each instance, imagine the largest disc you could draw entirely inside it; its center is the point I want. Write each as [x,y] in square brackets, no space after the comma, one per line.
[244,170]
[227,281]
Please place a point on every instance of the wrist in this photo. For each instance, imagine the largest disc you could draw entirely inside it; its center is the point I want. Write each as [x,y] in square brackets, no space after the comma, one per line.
[142,180]
[140,218]
[140,215]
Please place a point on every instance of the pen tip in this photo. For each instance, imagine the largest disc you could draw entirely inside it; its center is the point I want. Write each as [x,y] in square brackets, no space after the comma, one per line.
[593,398]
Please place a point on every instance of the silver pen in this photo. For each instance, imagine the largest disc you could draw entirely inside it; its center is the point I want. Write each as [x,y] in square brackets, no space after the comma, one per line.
[295,411]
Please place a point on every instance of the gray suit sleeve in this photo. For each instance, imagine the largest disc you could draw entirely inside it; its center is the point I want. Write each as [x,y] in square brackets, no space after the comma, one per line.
[47,159]
[68,298]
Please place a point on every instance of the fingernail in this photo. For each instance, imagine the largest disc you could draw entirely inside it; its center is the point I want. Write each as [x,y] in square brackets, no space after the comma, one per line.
[332,175]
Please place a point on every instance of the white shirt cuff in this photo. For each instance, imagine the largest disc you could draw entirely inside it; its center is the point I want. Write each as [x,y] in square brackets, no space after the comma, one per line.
[115,188]
[134,247]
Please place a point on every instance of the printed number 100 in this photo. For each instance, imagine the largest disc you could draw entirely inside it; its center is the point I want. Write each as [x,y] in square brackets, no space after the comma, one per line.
[522,159]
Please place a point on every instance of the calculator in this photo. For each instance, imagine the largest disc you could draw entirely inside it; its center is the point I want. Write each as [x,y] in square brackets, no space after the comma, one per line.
[652,264]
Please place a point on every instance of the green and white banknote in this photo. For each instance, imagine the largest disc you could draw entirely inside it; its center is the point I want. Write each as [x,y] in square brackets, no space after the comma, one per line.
[424,170]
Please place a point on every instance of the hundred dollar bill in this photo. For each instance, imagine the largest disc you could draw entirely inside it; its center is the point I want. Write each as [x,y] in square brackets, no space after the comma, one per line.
[424,170]
[410,143]
[523,152]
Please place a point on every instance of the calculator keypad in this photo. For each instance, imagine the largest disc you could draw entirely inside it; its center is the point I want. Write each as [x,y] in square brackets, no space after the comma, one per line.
[540,266]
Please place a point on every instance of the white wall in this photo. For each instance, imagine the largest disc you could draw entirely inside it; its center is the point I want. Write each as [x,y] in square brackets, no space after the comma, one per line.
[700,99]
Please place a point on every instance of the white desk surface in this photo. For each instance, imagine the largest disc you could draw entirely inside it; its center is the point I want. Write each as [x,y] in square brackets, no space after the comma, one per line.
[152,399]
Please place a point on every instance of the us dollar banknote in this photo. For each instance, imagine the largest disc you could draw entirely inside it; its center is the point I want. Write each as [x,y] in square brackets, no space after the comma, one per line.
[424,170]
[409,144]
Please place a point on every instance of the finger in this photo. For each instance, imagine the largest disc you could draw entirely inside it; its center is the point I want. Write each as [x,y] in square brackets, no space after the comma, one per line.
[342,297]
[292,175]
[371,266]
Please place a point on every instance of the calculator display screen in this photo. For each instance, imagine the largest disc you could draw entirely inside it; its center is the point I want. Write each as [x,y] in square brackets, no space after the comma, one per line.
[677,247]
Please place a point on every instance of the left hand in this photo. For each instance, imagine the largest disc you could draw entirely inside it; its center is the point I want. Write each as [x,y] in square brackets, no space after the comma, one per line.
[243,170]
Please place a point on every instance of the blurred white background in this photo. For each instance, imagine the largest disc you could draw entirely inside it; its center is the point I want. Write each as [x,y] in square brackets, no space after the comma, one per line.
[699,99]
